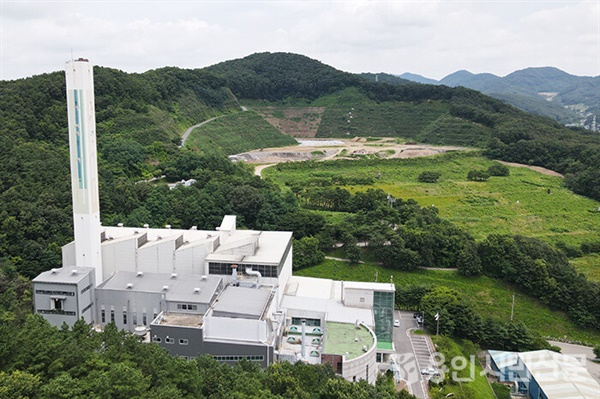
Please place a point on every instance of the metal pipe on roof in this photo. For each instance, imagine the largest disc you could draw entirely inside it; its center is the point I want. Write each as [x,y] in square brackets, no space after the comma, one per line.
[251,272]
[303,350]
[234,279]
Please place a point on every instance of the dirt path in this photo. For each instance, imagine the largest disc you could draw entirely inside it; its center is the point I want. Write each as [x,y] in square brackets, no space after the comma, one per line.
[543,171]
[259,168]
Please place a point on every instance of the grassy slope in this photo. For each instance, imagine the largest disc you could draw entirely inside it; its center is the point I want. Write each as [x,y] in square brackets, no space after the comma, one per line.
[477,387]
[480,207]
[491,297]
[239,132]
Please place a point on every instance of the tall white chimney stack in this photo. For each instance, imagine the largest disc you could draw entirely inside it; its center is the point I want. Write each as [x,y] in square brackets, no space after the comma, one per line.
[84,164]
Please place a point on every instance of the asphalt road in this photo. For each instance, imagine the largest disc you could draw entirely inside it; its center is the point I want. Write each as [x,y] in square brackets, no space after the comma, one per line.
[411,355]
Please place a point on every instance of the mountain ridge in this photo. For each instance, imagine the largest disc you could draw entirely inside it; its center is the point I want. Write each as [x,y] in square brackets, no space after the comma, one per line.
[578,96]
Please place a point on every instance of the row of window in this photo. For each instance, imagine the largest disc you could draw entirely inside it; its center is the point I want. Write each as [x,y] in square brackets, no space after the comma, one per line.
[61,293]
[309,322]
[86,288]
[56,311]
[186,306]
[225,269]
[237,358]
[87,307]
[125,319]
[169,340]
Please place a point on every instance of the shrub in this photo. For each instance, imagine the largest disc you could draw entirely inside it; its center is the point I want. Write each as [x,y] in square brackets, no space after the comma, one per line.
[497,169]
[429,176]
[477,175]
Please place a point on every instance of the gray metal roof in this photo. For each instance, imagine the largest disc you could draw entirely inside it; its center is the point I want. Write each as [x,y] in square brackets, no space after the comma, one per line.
[241,302]
[64,275]
[180,288]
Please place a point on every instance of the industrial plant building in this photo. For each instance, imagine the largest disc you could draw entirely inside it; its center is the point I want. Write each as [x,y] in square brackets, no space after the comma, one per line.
[227,293]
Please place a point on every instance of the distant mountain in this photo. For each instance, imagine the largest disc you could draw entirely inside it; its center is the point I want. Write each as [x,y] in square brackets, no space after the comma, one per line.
[547,91]
[418,78]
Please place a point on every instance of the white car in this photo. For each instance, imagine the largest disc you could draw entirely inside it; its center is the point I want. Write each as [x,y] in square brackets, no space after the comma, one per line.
[396,323]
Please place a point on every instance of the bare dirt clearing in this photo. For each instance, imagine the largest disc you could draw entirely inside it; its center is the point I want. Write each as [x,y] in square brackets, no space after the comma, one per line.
[295,121]
[357,148]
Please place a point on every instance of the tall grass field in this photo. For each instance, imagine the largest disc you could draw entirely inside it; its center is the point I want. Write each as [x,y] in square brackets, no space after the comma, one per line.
[526,202]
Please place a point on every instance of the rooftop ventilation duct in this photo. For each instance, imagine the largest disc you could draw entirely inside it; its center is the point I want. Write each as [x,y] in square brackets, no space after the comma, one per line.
[173,275]
[234,279]
[194,228]
[251,272]
[165,288]
[129,286]
[303,350]
[140,274]
[196,290]
[74,272]
[168,226]
[146,226]
[120,224]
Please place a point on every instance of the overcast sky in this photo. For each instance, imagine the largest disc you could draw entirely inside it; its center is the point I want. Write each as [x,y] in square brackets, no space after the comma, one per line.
[431,38]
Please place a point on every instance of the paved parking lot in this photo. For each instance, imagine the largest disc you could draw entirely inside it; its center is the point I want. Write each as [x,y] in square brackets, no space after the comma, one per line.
[413,353]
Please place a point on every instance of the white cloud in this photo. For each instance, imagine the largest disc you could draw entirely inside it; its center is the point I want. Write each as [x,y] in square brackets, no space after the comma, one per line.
[433,38]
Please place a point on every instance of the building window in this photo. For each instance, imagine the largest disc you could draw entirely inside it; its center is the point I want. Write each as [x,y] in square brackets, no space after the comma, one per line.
[186,306]
[225,269]
[183,341]
[156,339]
[339,368]
[86,288]
[61,293]
[169,340]
[237,358]
[309,322]
[103,315]
[135,318]
[88,307]
[367,372]
[112,315]
[144,319]
[56,304]
[362,299]
[125,317]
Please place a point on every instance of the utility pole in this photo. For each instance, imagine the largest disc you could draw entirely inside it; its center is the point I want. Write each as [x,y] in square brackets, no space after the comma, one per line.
[512,308]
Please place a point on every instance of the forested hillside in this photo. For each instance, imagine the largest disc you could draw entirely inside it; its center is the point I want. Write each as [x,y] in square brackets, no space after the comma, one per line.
[140,118]
[467,117]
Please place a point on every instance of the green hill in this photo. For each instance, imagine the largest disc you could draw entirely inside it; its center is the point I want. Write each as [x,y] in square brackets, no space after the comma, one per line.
[140,118]
[235,133]
[419,112]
